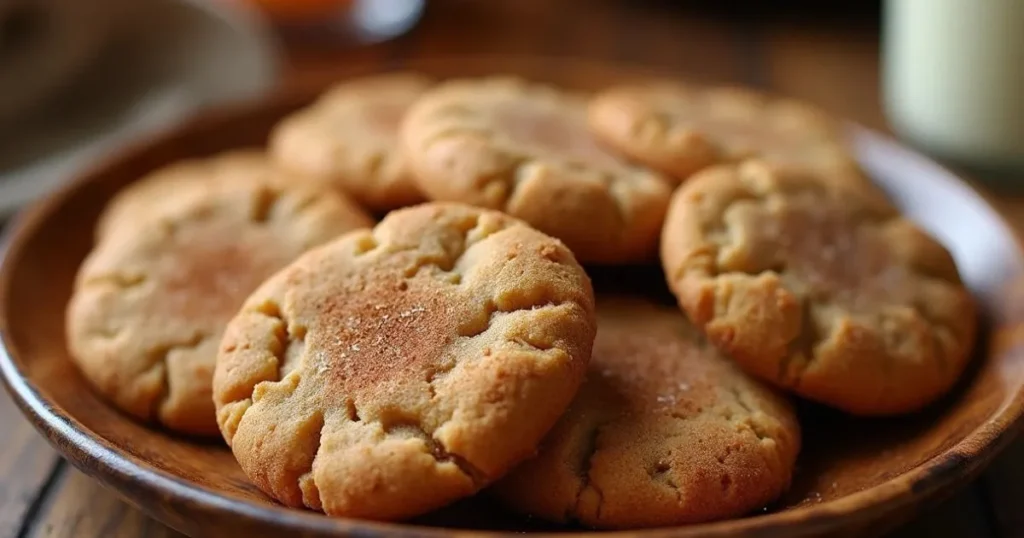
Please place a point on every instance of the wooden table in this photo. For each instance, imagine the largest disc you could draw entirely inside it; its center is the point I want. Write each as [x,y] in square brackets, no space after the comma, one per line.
[825,54]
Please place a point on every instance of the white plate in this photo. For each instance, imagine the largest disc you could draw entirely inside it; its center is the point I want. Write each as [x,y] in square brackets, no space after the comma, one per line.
[169,59]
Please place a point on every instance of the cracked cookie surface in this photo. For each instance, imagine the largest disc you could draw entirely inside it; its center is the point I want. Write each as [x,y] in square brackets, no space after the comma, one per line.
[393,371]
[349,139]
[681,129]
[151,300]
[821,287]
[524,148]
[664,431]
[180,184]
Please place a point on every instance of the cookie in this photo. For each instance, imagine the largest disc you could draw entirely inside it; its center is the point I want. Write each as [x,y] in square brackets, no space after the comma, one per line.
[151,300]
[664,431]
[679,129]
[818,286]
[349,139]
[524,148]
[393,371]
[183,183]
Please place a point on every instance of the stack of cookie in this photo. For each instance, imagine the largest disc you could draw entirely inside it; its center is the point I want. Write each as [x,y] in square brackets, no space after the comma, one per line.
[457,347]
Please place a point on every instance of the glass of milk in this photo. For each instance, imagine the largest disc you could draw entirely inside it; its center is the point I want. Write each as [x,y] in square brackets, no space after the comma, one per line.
[954,79]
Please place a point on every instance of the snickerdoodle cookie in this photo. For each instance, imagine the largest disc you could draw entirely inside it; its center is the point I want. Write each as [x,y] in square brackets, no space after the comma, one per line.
[187,182]
[525,148]
[679,129]
[393,371]
[664,431]
[349,138]
[151,300]
[819,286]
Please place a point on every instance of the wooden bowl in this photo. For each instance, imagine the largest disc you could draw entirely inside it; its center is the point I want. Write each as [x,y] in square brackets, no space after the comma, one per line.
[854,476]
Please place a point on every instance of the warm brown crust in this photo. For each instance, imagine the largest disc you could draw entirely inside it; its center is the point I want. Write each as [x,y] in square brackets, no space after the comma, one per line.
[176,185]
[524,148]
[152,299]
[349,139]
[664,431]
[819,286]
[680,129]
[395,370]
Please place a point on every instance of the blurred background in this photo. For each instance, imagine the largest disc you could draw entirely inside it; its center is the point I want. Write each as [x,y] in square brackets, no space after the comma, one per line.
[79,79]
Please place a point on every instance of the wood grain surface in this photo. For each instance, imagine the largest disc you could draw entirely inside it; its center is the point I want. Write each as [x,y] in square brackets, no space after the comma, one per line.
[827,55]
[27,466]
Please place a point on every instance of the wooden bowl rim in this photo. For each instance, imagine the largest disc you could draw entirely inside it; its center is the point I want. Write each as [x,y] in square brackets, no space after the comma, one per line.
[106,462]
